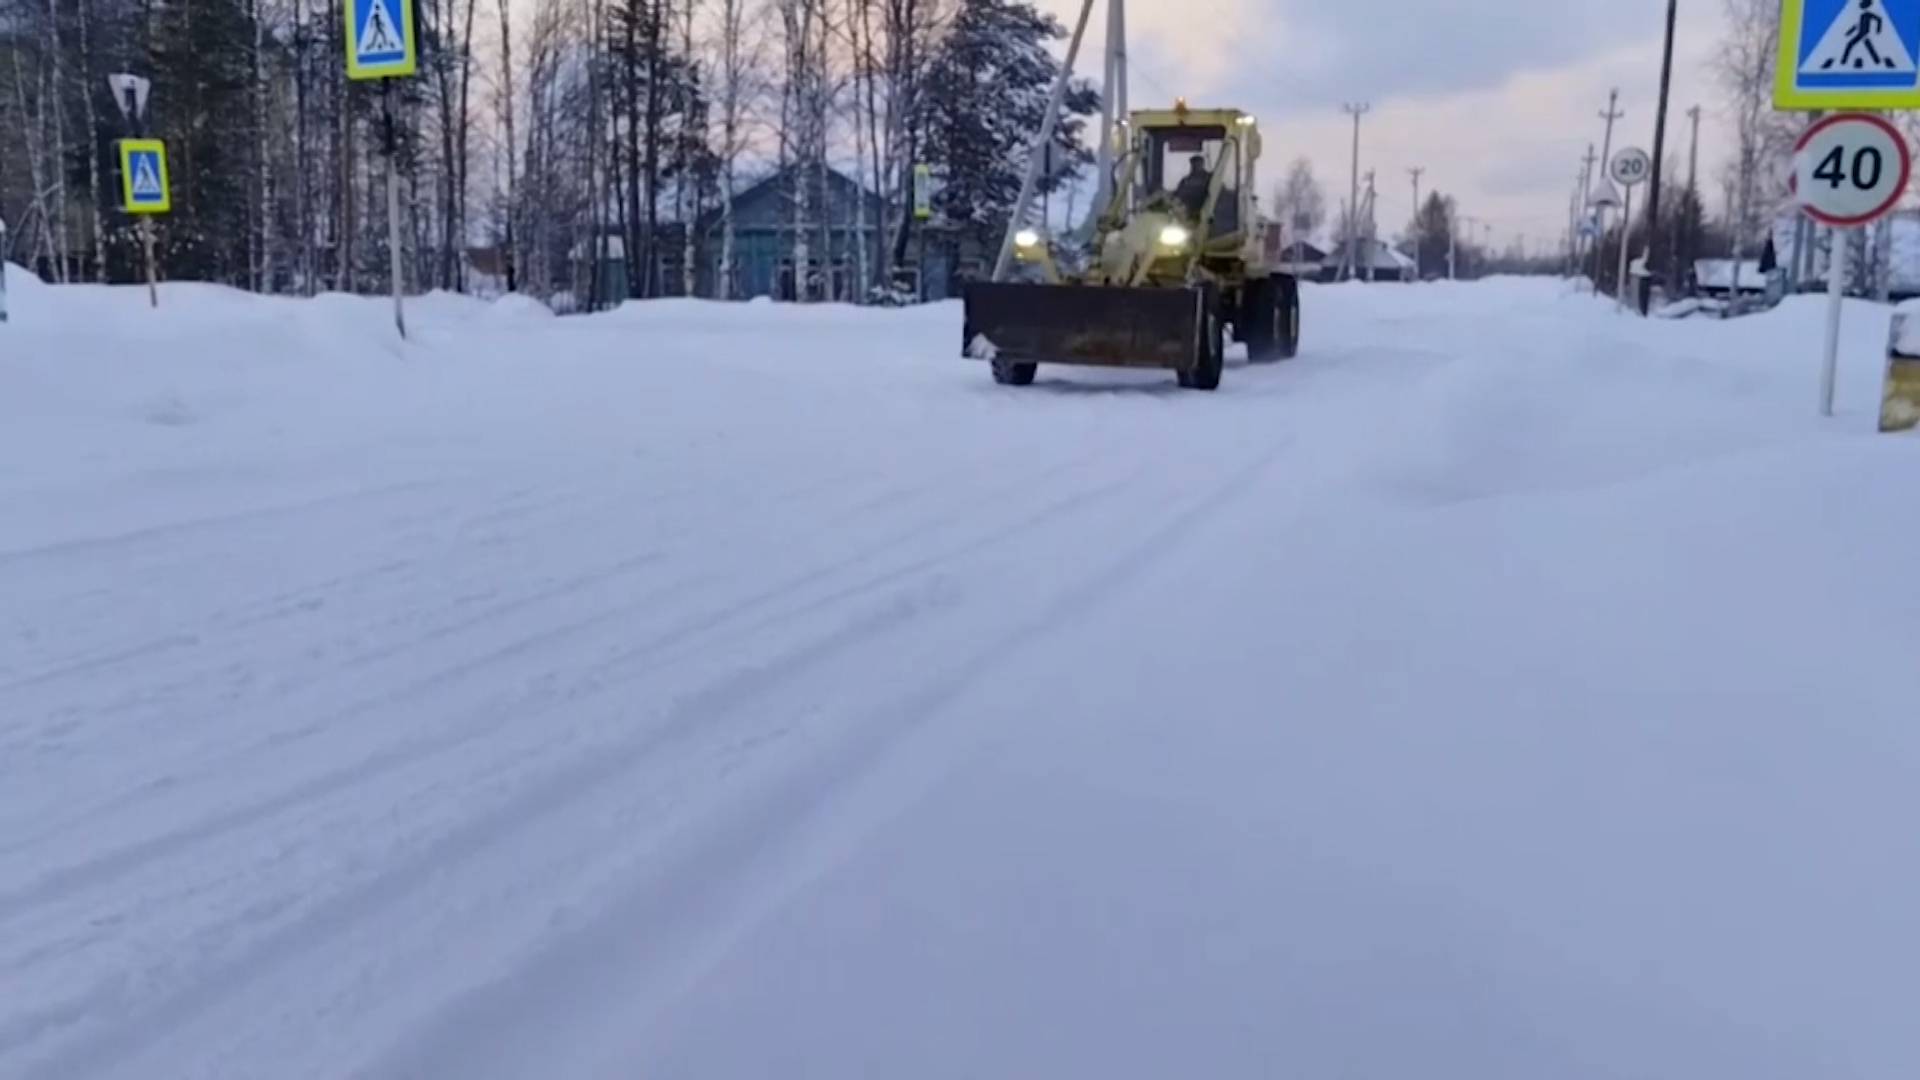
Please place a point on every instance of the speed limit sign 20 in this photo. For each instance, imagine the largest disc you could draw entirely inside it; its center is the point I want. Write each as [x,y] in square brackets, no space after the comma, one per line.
[1630,166]
[1850,169]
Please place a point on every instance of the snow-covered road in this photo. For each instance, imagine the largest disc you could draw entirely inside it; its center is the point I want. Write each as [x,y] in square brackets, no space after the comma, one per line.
[1502,690]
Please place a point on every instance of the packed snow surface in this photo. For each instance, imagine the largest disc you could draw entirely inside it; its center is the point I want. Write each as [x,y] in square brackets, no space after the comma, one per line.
[1506,689]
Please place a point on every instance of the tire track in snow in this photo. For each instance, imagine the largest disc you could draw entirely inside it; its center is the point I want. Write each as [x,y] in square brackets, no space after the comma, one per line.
[22,902]
[83,544]
[395,652]
[686,635]
[559,788]
[769,847]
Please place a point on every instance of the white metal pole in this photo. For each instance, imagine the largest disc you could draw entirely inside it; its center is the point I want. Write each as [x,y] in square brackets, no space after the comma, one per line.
[393,243]
[3,271]
[1836,293]
[146,242]
[1034,158]
[1626,235]
[1353,201]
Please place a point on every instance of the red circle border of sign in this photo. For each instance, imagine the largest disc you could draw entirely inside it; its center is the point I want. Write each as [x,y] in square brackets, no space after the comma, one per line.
[1906,167]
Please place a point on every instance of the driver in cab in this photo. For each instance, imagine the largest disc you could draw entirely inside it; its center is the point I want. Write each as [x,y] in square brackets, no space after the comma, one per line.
[1192,192]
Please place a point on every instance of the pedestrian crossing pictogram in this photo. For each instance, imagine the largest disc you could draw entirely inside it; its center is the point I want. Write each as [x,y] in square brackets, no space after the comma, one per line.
[1844,55]
[1860,38]
[146,178]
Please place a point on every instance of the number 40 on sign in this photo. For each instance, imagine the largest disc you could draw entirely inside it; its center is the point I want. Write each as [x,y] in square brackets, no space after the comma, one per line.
[1848,171]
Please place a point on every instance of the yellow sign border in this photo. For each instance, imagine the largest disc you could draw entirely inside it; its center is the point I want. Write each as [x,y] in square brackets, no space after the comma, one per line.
[130,147]
[400,70]
[1788,95]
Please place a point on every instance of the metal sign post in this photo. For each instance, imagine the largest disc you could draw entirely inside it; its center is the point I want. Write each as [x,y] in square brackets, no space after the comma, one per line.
[144,191]
[1848,171]
[1629,168]
[382,45]
[144,187]
[1836,302]
[390,147]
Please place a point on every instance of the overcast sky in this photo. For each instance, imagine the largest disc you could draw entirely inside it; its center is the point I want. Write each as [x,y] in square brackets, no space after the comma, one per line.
[1496,99]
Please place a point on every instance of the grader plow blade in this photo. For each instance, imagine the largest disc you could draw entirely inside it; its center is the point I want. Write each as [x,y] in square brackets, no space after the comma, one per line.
[1084,324]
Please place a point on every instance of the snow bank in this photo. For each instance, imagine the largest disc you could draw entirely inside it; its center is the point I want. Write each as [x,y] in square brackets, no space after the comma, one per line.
[698,689]
[1905,337]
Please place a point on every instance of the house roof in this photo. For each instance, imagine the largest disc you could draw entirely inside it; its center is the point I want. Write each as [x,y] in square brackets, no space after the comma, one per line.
[758,189]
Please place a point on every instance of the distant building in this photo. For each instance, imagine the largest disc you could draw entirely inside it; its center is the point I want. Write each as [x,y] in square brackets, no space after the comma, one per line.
[1301,258]
[1377,259]
[763,238]
[1716,278]
[937,259]
[1903,255]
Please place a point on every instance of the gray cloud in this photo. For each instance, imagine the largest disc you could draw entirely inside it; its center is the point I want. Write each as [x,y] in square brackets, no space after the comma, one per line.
[1406,47]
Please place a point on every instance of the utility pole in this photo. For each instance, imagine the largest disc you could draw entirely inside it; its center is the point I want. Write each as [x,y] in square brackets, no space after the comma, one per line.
[1611,114]
[1355,110]
[1586,203]
[1113,110]
[1693,153]
[1453,235]
[1656,253]
[1041,138]
[1373,227]
[1471,223]
[1418,225]
[1606,159]
[1573,229]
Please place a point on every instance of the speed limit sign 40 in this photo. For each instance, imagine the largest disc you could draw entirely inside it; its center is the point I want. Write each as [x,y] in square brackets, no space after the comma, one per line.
[1850,169]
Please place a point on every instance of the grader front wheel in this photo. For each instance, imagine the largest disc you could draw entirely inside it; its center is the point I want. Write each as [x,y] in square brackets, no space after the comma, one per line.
[1205,375]
[1010,373]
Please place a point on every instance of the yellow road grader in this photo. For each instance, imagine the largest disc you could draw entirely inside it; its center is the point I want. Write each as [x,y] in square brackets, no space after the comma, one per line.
[1179,259]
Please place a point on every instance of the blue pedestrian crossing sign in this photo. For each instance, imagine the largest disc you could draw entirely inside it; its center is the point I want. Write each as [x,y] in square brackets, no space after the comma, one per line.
[380,39]
[1848,54]
[143,177]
